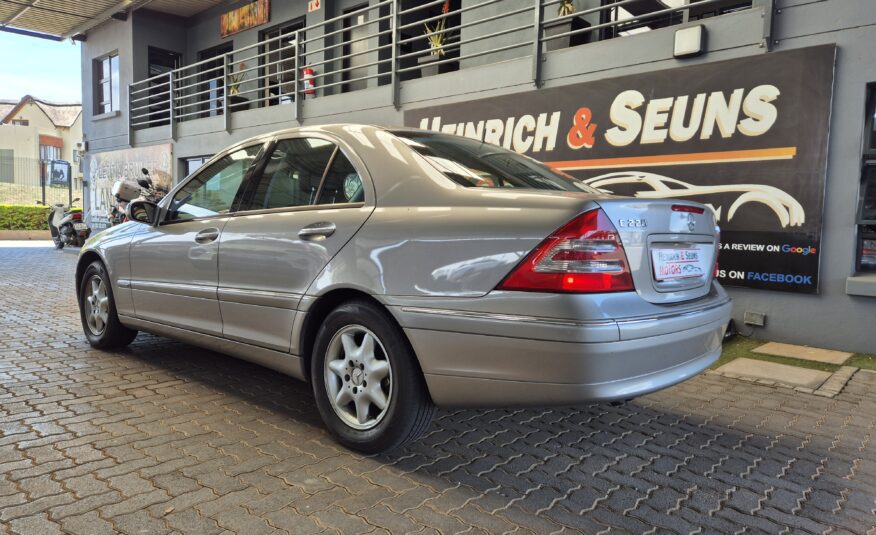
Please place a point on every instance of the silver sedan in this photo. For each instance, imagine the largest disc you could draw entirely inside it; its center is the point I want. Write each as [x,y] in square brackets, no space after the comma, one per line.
[398,270]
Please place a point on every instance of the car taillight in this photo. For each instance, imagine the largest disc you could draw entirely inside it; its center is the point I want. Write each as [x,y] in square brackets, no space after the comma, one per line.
[583,256]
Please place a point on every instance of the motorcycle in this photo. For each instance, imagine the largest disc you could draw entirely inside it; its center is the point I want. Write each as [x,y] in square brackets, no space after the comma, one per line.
[66,225]
[125,191]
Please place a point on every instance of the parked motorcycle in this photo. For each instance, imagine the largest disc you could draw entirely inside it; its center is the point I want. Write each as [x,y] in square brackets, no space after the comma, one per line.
[125,191]
[66,225]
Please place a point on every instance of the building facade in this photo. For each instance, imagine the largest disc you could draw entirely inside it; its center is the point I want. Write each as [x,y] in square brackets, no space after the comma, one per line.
[35,133]
[763,109]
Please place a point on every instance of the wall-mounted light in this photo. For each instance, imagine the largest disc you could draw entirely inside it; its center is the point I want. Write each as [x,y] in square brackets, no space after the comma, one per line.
[690,41]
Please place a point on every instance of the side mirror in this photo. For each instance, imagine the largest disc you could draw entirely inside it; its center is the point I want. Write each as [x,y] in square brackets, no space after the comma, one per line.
[142,212]
[144,171]
[75,200]
[144,182]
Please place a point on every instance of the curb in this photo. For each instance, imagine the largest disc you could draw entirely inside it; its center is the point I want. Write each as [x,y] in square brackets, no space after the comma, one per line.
[19,235]
[829,389]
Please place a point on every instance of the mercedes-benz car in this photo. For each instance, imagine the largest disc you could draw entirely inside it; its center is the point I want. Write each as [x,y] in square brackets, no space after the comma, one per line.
[398,270]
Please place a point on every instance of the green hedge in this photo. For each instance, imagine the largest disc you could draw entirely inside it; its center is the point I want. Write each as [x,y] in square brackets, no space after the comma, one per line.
[17,217]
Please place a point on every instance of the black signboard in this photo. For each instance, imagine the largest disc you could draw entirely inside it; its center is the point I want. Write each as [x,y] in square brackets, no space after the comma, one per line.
[59,173]
[747,136]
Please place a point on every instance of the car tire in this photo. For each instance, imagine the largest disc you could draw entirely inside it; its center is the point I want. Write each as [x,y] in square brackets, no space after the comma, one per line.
[97,310]
[340,370]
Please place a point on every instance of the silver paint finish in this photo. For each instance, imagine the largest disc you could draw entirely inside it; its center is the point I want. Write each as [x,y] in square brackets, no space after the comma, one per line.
[433,253]
[174,277]
[264,254]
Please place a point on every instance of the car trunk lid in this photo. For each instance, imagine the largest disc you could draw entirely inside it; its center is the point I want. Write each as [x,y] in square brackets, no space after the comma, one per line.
[671,246]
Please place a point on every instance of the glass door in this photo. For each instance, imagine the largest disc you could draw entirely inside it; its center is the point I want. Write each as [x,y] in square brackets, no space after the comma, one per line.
[278,63]
[211,72]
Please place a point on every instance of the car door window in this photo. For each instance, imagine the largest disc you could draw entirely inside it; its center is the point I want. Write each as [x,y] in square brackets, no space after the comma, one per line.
[292,174]
[342,183]
[214,190]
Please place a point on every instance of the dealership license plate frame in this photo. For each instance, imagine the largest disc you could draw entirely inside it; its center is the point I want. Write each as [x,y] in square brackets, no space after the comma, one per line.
[673,263]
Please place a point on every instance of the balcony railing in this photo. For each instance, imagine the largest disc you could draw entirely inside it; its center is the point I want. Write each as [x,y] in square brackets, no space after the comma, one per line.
[387,43]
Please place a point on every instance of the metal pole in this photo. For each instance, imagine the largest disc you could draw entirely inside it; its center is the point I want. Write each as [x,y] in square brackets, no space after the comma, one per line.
[225,95]
[296,94]
[171,109]
[42,174]
[69,184]
[394,35]
[536,44]
[128,115]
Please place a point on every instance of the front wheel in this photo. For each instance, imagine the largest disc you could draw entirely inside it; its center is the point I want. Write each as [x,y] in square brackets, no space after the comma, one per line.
[97,310]
[368,386]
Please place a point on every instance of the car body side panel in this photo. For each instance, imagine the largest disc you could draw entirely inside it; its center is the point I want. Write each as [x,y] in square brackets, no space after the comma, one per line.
[440,250]
[113,245]
[184,296]
[261,255]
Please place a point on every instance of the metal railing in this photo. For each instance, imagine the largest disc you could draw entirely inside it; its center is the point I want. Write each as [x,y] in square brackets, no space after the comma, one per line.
[31,180]
[386,43]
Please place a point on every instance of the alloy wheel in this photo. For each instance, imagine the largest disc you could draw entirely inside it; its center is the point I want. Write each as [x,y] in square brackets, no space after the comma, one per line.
[96,306]
[358,377]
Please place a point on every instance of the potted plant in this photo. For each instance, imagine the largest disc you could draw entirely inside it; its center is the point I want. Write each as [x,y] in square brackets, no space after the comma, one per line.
[436,36]
[557,27]
[235,101]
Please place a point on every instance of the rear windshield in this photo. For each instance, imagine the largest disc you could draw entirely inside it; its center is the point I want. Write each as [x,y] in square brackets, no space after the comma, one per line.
[475,164]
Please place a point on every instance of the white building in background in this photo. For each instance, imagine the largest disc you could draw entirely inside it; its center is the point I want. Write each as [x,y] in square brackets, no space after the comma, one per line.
[34,132]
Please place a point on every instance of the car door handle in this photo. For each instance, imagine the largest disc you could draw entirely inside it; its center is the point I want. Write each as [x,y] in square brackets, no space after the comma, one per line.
[207,235]
[322,229]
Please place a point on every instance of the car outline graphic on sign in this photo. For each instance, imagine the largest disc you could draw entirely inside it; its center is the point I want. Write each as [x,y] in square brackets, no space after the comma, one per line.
[787,209]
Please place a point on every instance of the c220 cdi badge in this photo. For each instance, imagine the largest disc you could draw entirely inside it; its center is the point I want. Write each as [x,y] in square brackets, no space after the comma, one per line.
[398,270]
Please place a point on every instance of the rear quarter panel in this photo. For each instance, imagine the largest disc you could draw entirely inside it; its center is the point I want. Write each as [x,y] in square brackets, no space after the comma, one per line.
[448,251]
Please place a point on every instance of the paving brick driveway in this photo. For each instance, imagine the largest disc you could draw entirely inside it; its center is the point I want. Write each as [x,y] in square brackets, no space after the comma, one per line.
[164,437]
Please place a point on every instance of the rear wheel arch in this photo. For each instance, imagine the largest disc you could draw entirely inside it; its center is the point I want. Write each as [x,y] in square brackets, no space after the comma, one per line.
[323,306]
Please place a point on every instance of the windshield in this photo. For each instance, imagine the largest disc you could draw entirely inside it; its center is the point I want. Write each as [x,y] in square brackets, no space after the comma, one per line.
[475,164]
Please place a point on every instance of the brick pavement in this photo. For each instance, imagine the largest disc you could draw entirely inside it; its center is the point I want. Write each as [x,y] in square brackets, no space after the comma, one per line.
[167,438]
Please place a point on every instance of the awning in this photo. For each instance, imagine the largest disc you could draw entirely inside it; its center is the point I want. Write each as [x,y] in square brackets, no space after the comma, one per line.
[71,19]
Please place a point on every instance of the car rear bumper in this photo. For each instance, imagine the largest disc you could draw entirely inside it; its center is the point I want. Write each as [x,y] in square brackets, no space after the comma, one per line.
[490,360]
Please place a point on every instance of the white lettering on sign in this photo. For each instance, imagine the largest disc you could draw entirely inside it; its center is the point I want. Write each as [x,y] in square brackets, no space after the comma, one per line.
[527,133]
[706,115]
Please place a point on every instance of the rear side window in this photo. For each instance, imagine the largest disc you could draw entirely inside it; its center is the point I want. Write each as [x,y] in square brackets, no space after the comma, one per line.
[342,183]
[475,164]
[292,174]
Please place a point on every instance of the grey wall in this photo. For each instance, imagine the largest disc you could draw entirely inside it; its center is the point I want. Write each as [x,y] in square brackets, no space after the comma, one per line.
[831,319]
[110,132]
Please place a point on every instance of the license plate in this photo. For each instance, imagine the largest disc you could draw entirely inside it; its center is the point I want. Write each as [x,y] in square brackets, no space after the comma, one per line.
[80,226]
[676,263]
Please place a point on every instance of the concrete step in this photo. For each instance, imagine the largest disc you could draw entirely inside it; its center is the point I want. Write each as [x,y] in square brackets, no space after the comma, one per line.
[815,354]
[777,373]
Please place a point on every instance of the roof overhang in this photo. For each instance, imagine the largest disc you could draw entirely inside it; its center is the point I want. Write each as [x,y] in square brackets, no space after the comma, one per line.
[72,19]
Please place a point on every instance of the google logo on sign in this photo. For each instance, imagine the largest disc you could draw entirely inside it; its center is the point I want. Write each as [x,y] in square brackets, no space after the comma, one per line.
[798,250]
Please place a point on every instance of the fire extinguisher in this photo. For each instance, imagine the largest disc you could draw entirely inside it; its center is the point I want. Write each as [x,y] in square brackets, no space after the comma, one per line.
[309,84]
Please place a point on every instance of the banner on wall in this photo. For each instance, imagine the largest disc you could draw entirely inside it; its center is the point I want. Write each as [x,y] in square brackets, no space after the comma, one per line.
[107,167]
[748,137]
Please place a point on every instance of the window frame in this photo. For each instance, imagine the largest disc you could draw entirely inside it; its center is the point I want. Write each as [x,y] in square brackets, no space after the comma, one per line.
[98,81]
[866,228]
[166,202]
[340,147]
